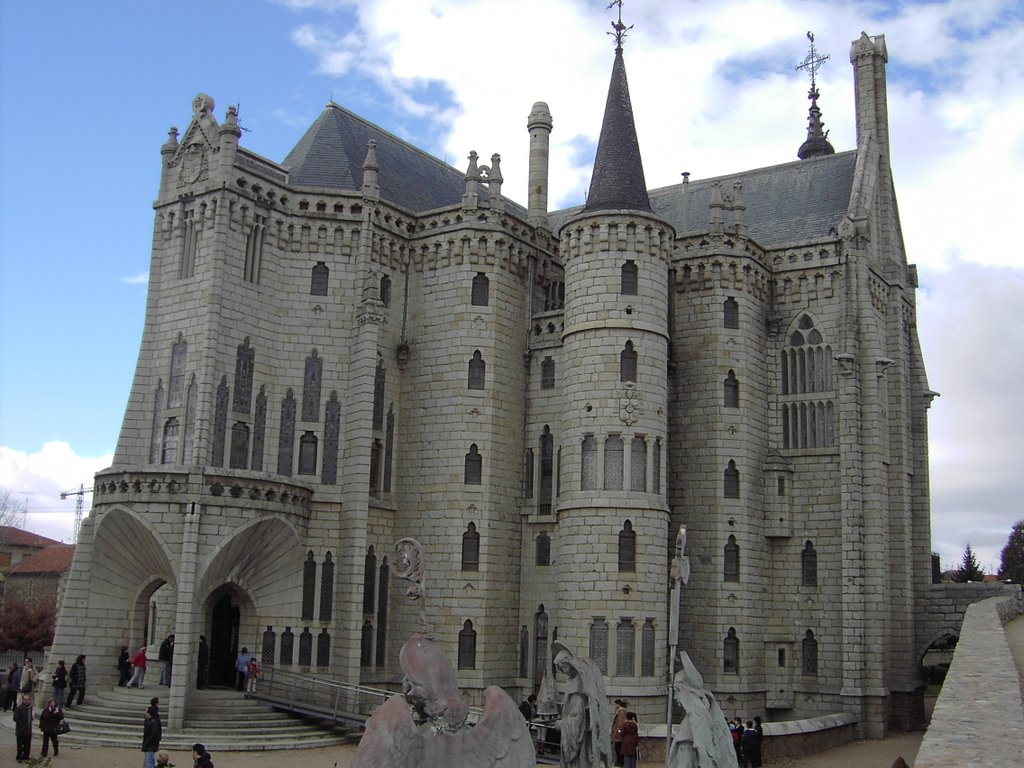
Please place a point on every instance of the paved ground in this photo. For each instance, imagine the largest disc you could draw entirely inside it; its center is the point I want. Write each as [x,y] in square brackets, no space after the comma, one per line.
[863,754]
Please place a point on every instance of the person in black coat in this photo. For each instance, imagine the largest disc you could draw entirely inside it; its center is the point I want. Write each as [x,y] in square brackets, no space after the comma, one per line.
[200,757]
[49,724]
[152,732]
[77,678]
[23,728]
[202,673]
[752,745]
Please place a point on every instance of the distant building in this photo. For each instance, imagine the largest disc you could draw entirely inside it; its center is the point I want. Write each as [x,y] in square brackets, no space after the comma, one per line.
[17,544]
[361,343]
[41,575]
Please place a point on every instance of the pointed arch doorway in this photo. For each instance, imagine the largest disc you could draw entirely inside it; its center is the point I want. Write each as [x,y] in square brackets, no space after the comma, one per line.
[225,620]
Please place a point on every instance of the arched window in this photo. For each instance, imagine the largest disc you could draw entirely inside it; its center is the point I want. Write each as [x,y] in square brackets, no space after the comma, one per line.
[369,580]
[481,289]
[307,453]
[239,446]
[625,648]
[376,451]
[627,363]
[306,648]
[308,586]
[467,646]
[731,560]
[318,279]
[627,547]
[524,651]
[810,653]
[327,588]
[599,643]
[366,644]
[474,466]
[385,291]
[220,423]
[638,464]
[547,461]
[379,381]
[588,478]
[809,566]
[731,398]
[613,463]
[731,481]
[287,647]
[380,651]
[731,653]
[311,381]
[629,278]
[323,649]
[730,313]
[477,367]
[543,550]
[807,384]
[656,473]
[268,644]
[647,649]
[286,436]
[547,373]
[176,381]
[471,548]
[169,450]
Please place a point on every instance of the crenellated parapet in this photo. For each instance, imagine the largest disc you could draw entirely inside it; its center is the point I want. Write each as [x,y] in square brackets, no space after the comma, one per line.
[623,231]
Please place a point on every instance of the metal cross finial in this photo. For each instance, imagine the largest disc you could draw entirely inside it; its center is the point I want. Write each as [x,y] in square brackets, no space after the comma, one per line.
[813,61]
[620,28]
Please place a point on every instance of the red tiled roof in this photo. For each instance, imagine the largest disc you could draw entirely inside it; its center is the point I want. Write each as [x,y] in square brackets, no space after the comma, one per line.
[16,537]
[53,559]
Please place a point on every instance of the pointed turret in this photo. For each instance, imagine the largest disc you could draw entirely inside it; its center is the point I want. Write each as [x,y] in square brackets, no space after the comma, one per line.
[618,179]
[817,144]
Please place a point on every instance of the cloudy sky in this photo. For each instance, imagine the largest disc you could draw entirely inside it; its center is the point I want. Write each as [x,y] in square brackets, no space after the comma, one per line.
[90,89]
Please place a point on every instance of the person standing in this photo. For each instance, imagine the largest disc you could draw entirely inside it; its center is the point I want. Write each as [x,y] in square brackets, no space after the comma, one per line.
[77,678]
[202,673]
[29,680]
[23,728]
[252,671]
[618,720]
[629,746]
[139,661]
[166,657]
[752,745]
[529,707]
[152,732]
[124,666]
[241,667]
[12,686]
[49,724]
[60,682]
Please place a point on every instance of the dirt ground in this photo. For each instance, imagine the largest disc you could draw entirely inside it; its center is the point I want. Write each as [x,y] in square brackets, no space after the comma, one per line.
[862,754]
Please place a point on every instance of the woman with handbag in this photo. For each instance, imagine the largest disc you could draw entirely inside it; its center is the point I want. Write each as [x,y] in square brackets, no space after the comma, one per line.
[50,724]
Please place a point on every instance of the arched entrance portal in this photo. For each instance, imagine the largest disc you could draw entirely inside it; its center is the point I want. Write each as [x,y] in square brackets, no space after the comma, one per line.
[225,619]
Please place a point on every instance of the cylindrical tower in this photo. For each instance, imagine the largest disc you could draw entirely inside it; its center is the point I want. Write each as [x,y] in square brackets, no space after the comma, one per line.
[539,125]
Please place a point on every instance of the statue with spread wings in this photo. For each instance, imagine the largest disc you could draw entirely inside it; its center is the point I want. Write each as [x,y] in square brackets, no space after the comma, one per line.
[426,724]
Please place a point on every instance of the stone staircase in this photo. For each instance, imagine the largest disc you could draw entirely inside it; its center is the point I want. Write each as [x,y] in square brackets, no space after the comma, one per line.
[221,719]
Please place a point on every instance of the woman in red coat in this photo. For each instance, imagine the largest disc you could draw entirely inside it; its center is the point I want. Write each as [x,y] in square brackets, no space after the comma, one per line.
[630,748]
[138,669]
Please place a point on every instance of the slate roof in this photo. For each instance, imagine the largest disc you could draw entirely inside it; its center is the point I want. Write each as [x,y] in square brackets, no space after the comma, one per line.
[790,203]
[53,559]
[331,153]
[618,178]
[16,537]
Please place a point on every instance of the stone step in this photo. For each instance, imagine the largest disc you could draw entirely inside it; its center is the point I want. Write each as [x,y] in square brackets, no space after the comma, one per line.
[223,720]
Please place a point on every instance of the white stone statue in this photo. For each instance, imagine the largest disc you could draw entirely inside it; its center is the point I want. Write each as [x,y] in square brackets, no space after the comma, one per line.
[585,720]
[702,740]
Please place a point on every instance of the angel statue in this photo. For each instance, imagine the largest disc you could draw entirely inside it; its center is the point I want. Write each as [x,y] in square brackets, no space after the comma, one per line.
[702,740]
[426,724]
[586,740]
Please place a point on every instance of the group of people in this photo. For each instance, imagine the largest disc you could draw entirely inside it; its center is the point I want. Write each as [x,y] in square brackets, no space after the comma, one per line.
[247,671]
[625,736]
[152,733]
[132,668]
[746,740]
[25,681]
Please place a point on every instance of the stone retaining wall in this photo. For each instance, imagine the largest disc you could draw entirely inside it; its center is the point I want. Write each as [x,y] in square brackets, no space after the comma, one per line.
[977,718]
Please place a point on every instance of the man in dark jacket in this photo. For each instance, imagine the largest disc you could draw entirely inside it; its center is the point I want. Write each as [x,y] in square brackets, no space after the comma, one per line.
[200,757]
[77,677]
[166,657]
[152,731]
[23,728]
[752,745]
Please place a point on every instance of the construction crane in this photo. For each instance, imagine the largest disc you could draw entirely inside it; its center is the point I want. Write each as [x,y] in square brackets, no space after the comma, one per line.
[79,505]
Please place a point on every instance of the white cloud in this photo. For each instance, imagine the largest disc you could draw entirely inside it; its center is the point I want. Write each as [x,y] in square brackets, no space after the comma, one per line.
[142,278]
[39,478]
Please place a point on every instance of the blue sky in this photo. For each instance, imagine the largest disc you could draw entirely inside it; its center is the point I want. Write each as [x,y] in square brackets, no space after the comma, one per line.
[89,91]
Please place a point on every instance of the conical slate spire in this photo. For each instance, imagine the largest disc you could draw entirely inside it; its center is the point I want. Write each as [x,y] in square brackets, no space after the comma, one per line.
[618,178]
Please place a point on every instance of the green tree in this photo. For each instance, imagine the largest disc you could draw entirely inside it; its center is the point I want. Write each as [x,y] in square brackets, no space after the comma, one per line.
[969,569]
[1011,561]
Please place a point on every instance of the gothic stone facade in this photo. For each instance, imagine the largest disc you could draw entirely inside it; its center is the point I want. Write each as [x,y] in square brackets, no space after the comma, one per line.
[361,344]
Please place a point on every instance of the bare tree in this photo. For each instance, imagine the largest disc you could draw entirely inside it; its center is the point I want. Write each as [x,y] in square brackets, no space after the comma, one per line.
[12,510]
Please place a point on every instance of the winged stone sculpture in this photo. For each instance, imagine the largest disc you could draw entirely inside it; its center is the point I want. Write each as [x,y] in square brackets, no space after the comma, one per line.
[426,724]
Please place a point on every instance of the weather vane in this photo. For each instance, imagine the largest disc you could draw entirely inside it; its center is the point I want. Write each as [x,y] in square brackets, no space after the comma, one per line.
[812,63]
[620,28]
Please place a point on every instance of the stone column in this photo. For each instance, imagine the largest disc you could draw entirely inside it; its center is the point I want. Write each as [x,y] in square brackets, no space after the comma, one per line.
[186,639]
